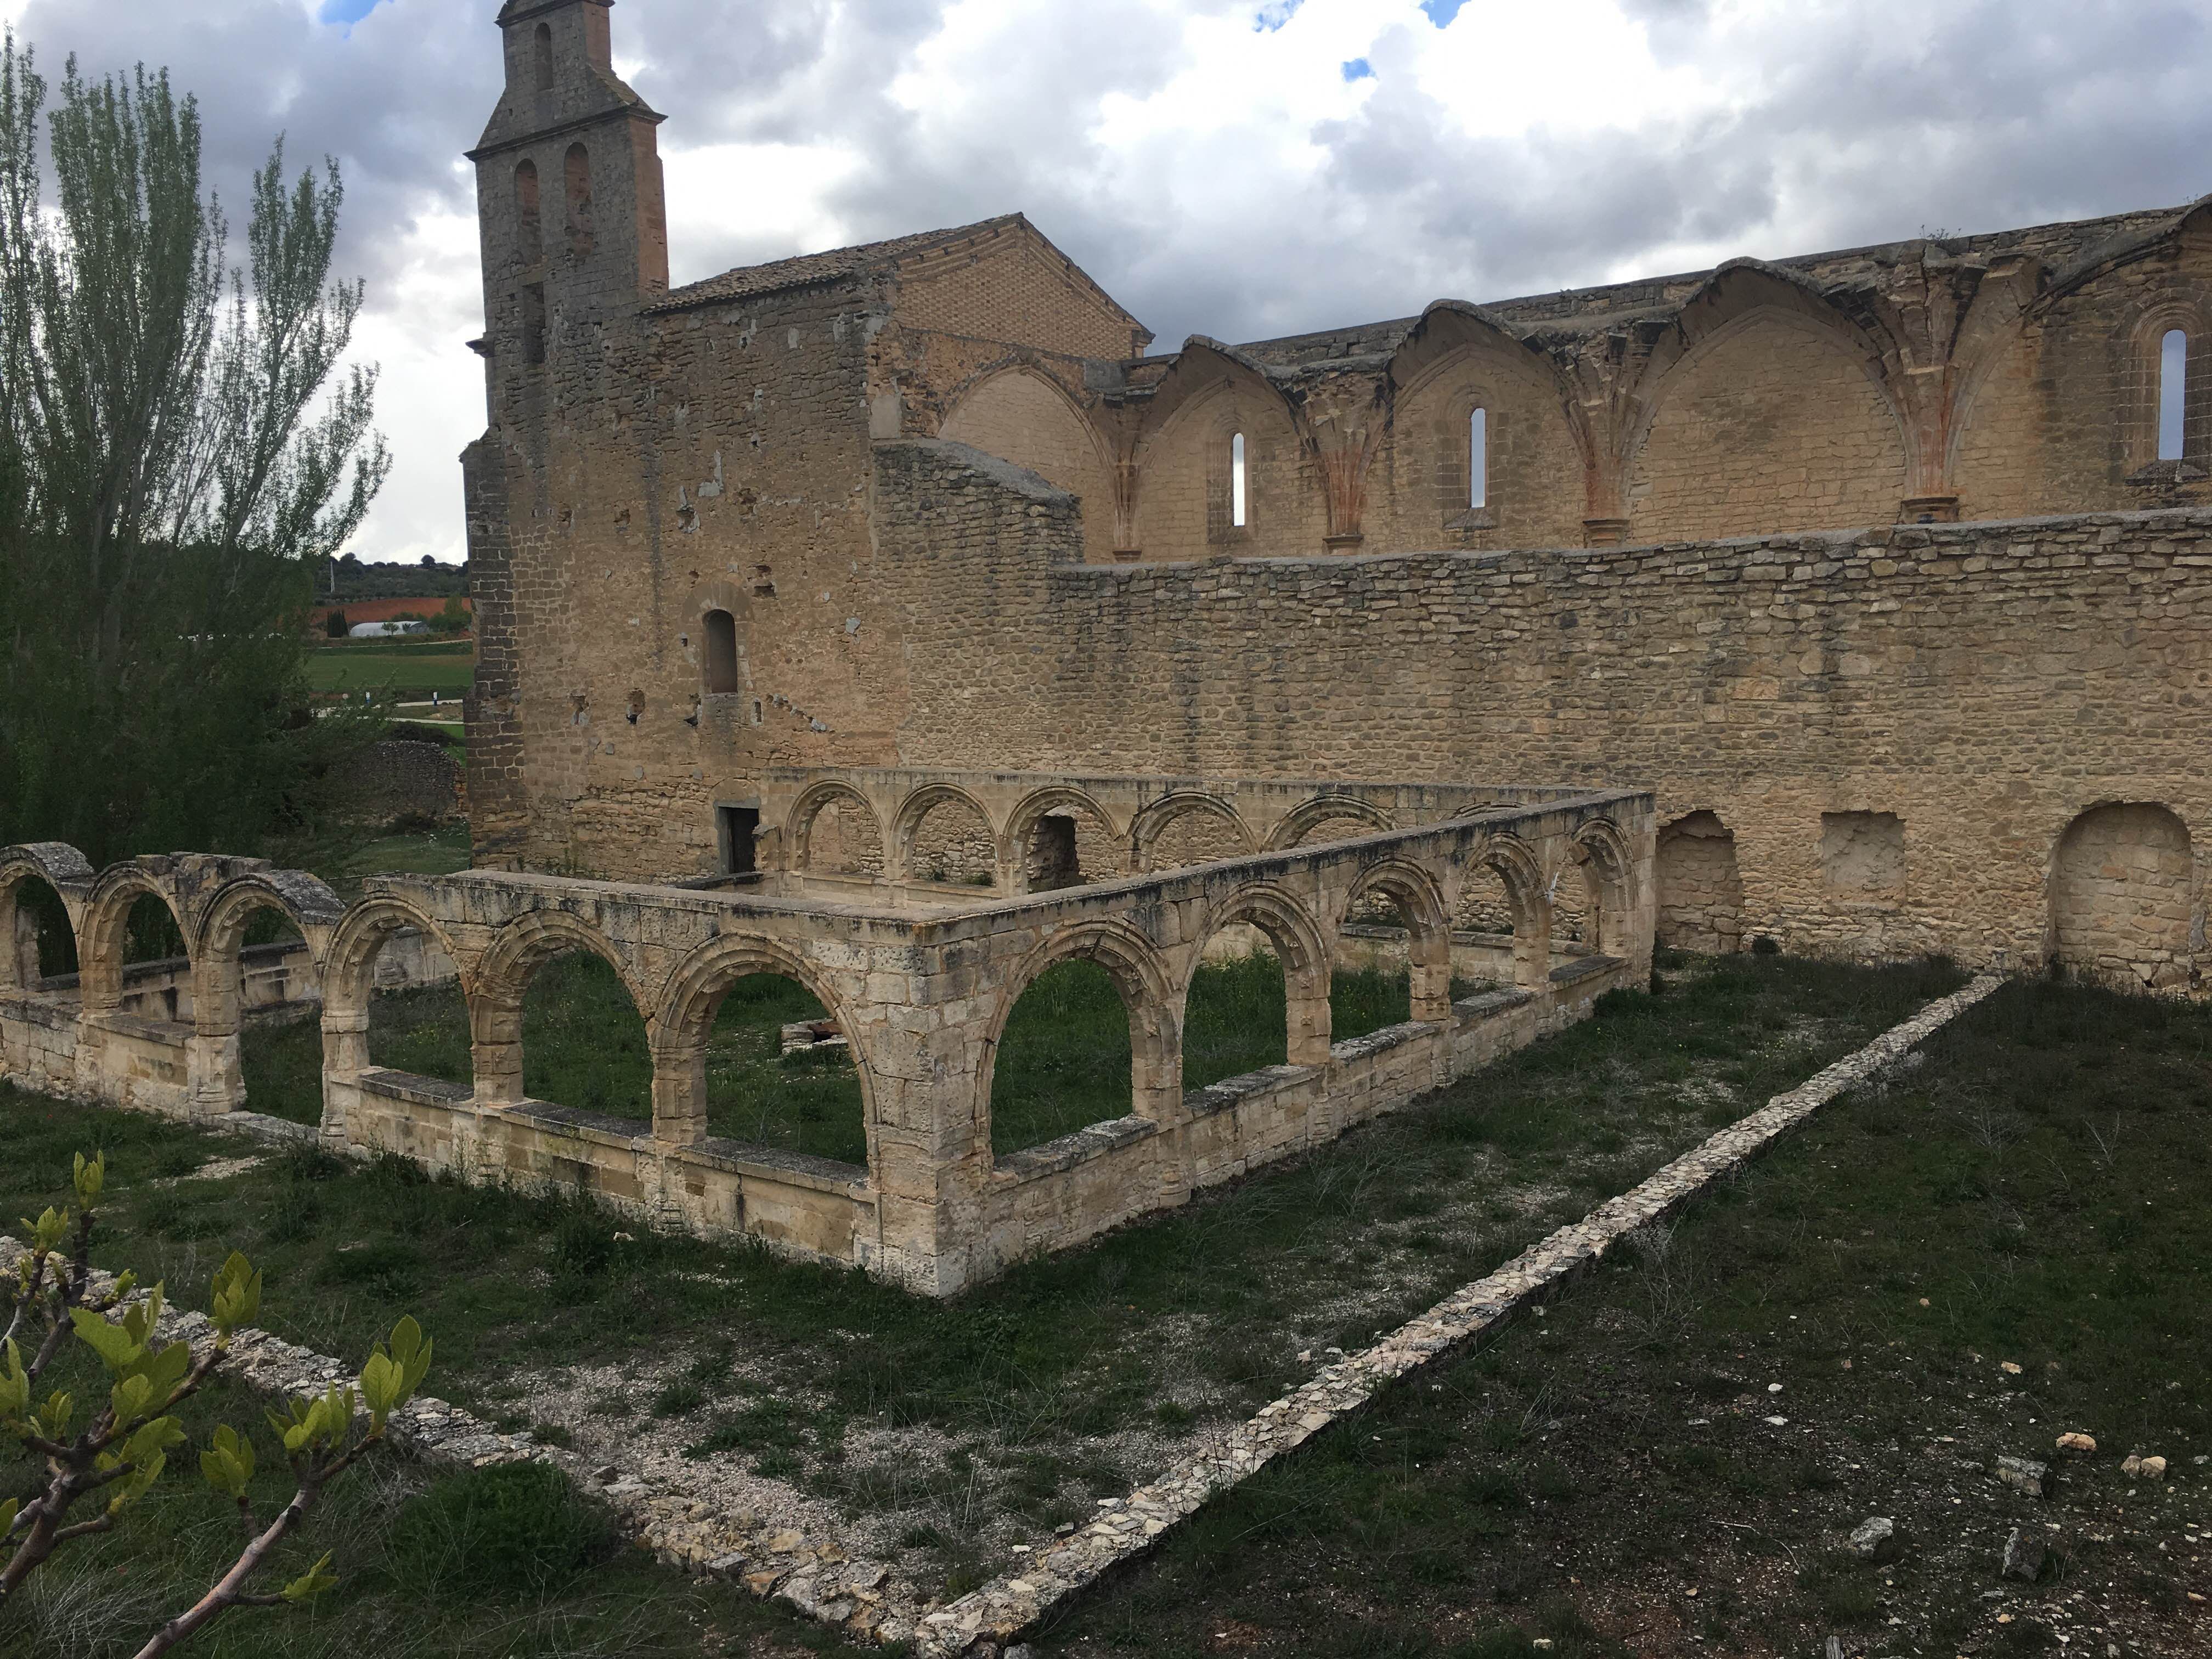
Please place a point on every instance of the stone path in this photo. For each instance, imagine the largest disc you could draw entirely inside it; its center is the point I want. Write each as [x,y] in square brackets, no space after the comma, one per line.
[808,1571]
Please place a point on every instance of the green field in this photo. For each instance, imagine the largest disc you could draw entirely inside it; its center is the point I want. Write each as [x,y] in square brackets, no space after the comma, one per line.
[448,667]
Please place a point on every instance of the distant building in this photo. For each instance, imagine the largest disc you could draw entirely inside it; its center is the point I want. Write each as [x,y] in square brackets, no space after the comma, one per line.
[385,631]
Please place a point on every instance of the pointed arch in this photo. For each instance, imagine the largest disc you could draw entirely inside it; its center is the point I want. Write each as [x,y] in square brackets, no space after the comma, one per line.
[1298,945]
[1020,413]
[1210,394]
[1420,899]
[1758,373]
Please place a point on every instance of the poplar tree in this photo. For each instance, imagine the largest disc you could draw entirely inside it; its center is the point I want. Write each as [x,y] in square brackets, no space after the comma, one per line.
[178,451]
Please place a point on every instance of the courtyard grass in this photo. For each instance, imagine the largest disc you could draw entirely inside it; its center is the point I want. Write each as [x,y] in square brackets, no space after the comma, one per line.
[1012,1407]
[2006,1242]
[447,667]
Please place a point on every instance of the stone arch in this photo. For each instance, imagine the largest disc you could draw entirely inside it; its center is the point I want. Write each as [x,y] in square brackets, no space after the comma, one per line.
[1516,865]
[1181,457]
[867,857]
[684,1019]
[918,807]
[1299,946]
[502,975]
[1758,372]
[1420,898]
[217,951]
[103,932]
[2188,313]
[1153,822]
[1459,358]
[1303,819]
[1601,851]
[1040,865]
[349,974]
[57,866]
[1700,897]
[2123,896]
[1019,413]
[1148,992]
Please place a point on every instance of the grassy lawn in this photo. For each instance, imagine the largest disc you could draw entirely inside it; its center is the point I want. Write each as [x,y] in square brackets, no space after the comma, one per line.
[1607,1480]
[445,666]
[973,1423]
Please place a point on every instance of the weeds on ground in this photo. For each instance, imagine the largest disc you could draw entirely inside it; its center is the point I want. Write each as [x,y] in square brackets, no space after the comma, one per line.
[2001,1240]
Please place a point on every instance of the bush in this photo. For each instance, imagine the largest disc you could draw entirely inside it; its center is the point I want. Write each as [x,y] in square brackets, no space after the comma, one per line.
[335,625]
[514,1530]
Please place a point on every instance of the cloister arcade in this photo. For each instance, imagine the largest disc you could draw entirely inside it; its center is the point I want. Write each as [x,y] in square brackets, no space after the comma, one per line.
[920,982]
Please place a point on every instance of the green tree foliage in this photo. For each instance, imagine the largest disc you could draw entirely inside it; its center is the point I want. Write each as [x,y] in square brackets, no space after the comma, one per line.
[178,454]
[98,1455]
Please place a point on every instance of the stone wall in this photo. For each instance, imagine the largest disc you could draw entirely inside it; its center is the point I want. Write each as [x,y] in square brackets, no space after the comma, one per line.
[406,780]
[1895,727]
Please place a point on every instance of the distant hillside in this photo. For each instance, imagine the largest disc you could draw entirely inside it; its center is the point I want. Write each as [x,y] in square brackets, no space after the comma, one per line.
[354,581]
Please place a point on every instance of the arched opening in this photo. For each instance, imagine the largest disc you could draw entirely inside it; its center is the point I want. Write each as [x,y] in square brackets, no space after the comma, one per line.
[256,998]
[2120,897]
[1259,997]
[392,1002]
[1195,832]
[530,220]
[1700,889]
[719,662]
[1576,907]
[156,964]
[1066,1059]
[583,1040]
[36,923]
[951,843]
[1478,459]
[1486,922]
[1323,820]
[838,835]
[1239,481]
[778,1071]
[578,173]
[542,57]
[1395,956]
[1063,840]
[2172,394]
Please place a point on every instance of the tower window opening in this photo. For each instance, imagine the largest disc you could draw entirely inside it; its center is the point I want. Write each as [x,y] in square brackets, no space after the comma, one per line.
[544,53]
[721,661]
[2172,394]
[530,221]
[1478,459]
[580,200]
[1239,499]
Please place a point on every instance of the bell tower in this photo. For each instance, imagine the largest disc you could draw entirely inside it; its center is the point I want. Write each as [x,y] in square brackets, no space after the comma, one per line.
[569,189]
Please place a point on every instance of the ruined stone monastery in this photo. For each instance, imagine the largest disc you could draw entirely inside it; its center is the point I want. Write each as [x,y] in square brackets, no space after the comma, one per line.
[1871,563]
[892,620]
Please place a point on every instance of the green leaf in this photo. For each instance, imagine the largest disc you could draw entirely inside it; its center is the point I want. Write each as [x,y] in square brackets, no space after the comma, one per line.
[318,1580]
[115,1347]
[53,1420]
[237,1295]
[227,1462]
[48,1230]
[14,1388]
[90,1177]
[143,1315]
[128,1399]
[8,1510]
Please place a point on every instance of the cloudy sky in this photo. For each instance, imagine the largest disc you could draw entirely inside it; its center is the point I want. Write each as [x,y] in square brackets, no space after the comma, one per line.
[1236,167]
